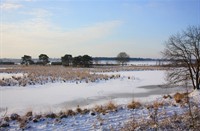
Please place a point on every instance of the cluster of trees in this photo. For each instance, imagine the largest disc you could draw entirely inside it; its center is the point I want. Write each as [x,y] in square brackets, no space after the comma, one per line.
[66,60]
[27,60]
[78,61]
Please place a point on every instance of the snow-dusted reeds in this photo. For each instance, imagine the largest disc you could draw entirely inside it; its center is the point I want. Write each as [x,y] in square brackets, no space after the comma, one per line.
[33,75]
[50,74]
[163,116]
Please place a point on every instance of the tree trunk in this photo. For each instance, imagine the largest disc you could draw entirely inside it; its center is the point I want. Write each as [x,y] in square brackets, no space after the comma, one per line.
[198,85]
[197,78]
[198,88]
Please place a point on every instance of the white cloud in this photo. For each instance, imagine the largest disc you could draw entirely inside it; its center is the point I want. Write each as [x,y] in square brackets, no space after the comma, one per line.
[38,13]
[37,36]
[10,6]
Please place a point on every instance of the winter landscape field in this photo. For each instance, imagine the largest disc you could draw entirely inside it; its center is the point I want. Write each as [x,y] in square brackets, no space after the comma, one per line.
[109,98]
[99,65]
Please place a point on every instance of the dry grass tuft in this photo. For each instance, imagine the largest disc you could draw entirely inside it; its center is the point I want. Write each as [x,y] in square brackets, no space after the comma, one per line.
[134,105]
[78,110]
[179,97]
[51,115]
[110,106]
[29,114]
[157,104]
[70,112]
[85,111]
[99,109]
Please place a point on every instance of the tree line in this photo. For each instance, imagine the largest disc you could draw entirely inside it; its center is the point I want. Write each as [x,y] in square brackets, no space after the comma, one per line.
[66,60]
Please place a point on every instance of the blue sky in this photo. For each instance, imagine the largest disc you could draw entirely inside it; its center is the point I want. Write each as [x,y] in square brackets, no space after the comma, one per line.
[94,27]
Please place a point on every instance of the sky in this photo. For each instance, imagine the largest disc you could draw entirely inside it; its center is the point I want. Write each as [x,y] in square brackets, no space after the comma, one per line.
[99,28]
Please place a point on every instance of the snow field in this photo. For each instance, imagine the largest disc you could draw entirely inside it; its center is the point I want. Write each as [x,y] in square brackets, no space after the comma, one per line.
[61,96]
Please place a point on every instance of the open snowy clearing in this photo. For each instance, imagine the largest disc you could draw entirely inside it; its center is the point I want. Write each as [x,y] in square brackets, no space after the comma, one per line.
[60,95]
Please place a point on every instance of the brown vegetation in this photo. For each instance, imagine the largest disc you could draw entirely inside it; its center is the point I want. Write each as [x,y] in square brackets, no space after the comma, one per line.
[134,105]
[44,74]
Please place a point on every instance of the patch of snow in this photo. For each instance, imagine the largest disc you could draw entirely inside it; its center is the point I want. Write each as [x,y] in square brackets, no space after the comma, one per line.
[10,75]
[194,93]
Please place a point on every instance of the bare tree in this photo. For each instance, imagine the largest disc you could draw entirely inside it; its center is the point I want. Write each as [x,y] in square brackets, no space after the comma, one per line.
[122,58]
[183,51]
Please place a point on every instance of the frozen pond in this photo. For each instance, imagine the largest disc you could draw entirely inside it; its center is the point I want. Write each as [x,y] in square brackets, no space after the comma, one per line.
[56,96]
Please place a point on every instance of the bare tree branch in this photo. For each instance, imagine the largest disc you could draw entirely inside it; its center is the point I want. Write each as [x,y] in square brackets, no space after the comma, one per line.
[183,51]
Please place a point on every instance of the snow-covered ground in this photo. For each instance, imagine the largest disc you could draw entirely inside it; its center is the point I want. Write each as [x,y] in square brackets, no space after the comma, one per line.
[56,96]
[10,75]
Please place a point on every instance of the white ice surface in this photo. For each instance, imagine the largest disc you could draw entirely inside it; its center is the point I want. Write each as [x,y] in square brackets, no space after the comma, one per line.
[51,96]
